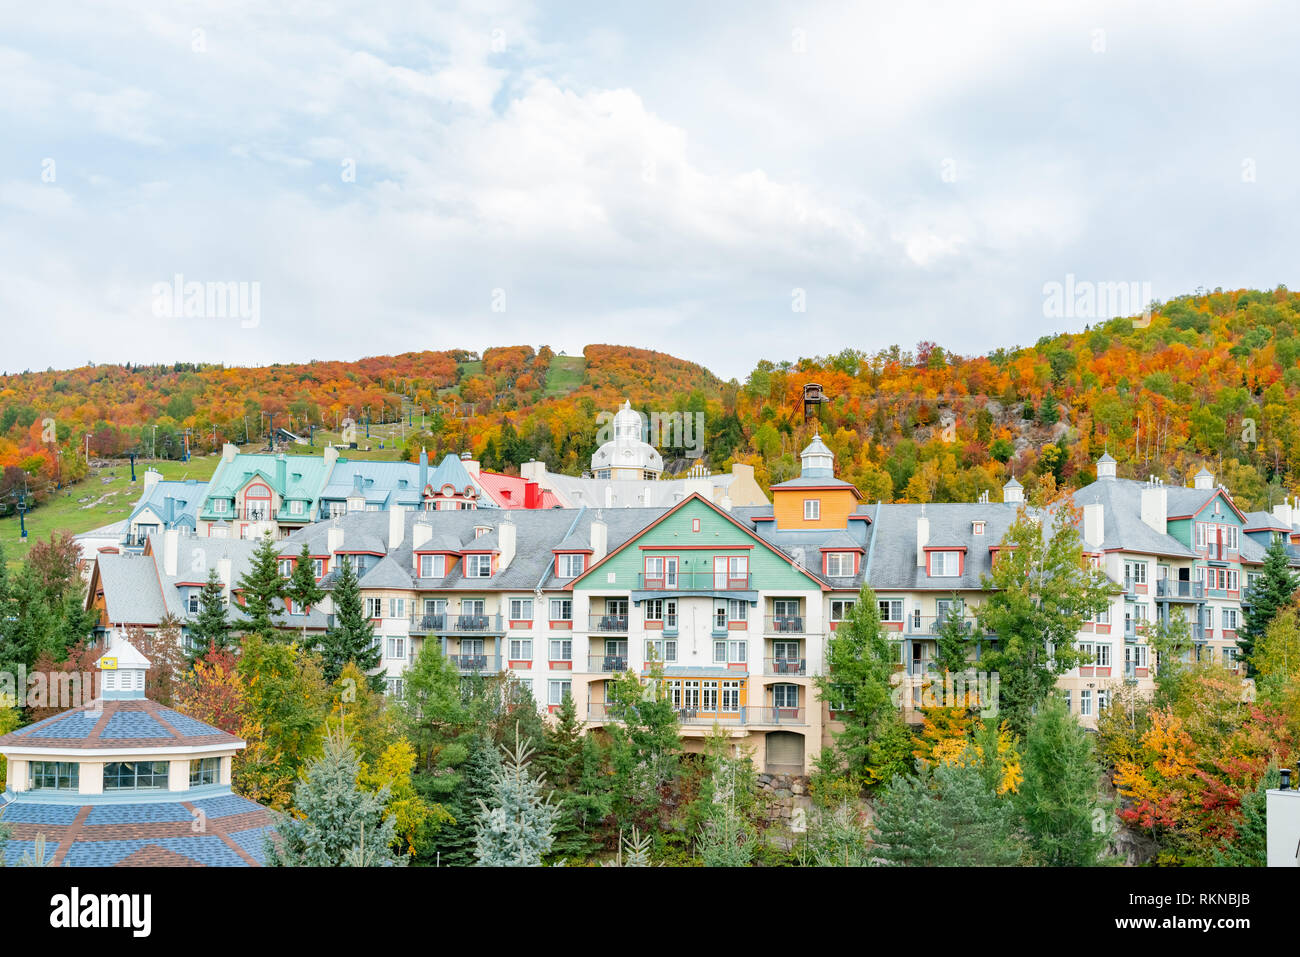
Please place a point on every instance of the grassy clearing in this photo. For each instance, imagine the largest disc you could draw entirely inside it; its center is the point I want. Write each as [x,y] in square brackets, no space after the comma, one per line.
[565,375]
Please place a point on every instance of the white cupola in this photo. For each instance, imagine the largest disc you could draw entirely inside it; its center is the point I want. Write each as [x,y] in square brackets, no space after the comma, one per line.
[817,461]
[122,669]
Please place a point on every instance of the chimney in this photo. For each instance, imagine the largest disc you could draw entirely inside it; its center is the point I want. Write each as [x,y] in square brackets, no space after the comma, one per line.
[424,470]
[726,503]
[1283,513]
[331,456]
[1094,524]
[1204,479]
[471,464]
[532,495]
[169,511]
[532,471]
[922,539]
[599,539]
[421,532]
[228,452]
[223,573]
[171,546]
[1155,507]
[151,478]
[281,473]
[333,540]
[1013,492]
[506,543]
[396,526]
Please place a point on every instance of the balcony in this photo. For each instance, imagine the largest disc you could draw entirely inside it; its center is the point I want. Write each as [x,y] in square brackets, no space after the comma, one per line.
[693,581]
[783,625]
[785,666]
[446,624]
[614,663]
[747,714]
[1174,589]
[476,663]
[608,624]
[930,625]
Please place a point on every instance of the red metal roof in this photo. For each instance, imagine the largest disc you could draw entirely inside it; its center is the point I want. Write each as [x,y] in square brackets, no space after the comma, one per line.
[511,491]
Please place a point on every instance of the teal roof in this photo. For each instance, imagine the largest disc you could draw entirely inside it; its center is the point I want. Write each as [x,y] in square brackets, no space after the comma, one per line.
[304,477]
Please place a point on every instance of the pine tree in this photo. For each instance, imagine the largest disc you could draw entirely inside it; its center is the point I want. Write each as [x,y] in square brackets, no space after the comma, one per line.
[340,824]
[302,588]
[352,637]
[645,745]
[1059,800]
[210,628]
[1271,592]
[726,839]
[574,764]
[516,829]
[633,850]
[262,588]
[455,844]
[835,838]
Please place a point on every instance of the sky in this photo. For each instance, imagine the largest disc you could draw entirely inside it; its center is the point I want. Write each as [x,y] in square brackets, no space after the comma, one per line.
[258,182]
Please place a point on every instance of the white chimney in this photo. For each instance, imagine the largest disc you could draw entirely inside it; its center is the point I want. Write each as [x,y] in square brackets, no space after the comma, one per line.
[151,478]
[506,532]
[228,452]
[333,540]
[421,532]
[331,455]
[1204,479]
[471,465]
[922,539]
[396,526]
[726,503]
[599,540]
[223,572]
[1013,492]
[532,471]
[1155,507]
[1094,524]
[171,546]
[1283,513]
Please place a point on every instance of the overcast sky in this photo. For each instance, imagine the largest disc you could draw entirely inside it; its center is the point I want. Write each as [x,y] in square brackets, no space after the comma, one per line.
[686,177]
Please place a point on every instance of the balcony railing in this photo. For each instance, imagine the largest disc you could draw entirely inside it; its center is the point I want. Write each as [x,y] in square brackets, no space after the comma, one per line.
[783,624]
[609,624]
[611,663]
[470,664]
[747,714]
[931,624]
[1173,588]
[448,624]
[693,581]
[785,666]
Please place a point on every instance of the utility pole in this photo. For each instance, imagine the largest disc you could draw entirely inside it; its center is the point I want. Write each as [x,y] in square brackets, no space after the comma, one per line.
[88,437]
[153,445]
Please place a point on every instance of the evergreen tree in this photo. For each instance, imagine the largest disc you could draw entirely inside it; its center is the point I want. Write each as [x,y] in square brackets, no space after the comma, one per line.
[574,766]
[455,845]
[210,628]
[352,638]
[262,588]
[516,830]
[727,839]
[875,744]
[835,838]
[1272,591]
[338,823]
[1171,639]
[1041,592]
[1059,799]
[644,745]
[953,643]
[302,588]
[633,850]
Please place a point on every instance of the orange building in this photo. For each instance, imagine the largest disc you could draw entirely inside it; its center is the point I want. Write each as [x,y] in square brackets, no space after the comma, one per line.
[816,499]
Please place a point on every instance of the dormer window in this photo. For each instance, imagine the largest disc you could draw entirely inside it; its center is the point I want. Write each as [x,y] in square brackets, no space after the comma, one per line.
[295,507]
[433,566]
[481,530]
[977,528]
[945,564]
[839,564]
[478,566]
[219,506]
[570,565]
[812,509]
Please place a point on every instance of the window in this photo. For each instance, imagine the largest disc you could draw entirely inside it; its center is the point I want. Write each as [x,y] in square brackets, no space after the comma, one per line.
[730,697]
[219,506]
[394,687]
[561,649]
[1136,572]
[1102,653]
[318,568]
[374,607]
[295,507]
[944,564]
[1067,700]
[1229,657]
[1229,619]
[571,565]
[521,609]
[286,568]
[135,776]
[737,610]
[661,571]
[785,696]
[396,647]
[433,566]
[192,602]
[561,609]
[478,566]
[730,652]
[839,564]
[977,528]
[1233,580]
[1085,702]
[812,509]
[1103,699]
[54,775]
[521,649]
[556,690]
[1103,617]
[709,698]
[661,649]
[891,609]
[397,608]
[1200,534]
[661,609]
[842,609]
[205,771]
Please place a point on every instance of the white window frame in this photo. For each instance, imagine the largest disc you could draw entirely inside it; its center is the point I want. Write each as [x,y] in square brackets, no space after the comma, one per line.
[478,566]
[839,564]
[564,608]
[945,564]
[555,689]
[521,609]
[561,649]
[812,509]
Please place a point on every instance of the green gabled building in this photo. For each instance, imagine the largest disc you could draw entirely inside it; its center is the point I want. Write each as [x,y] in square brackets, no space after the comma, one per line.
[249,493]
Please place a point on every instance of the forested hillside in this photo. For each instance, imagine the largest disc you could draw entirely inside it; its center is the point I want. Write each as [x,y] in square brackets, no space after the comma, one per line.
[1213,378]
